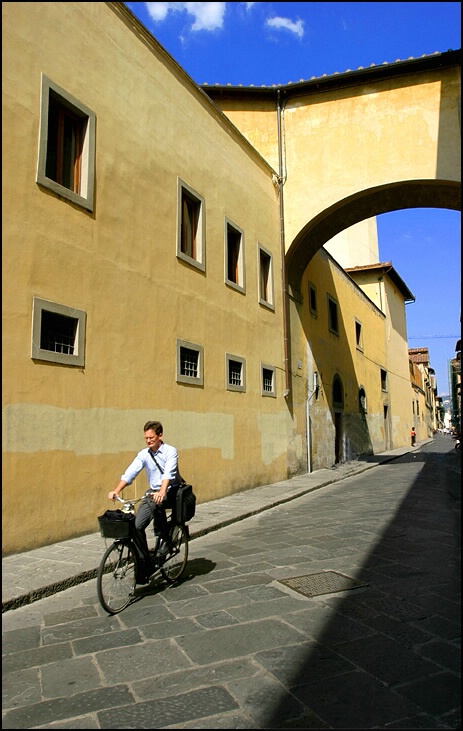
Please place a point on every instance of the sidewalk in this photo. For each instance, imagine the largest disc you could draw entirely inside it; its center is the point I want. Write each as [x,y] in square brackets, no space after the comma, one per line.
[35,574]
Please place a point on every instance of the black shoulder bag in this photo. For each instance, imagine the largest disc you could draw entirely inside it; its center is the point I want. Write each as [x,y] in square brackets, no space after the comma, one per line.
[185,507]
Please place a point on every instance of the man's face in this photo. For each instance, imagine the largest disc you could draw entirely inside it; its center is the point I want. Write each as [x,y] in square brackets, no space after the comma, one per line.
[152,439]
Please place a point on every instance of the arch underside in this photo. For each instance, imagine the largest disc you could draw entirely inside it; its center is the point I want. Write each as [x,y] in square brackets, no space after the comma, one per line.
[363,205]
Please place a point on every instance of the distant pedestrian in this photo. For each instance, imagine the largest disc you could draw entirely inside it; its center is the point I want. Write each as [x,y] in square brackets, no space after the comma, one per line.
[413,436]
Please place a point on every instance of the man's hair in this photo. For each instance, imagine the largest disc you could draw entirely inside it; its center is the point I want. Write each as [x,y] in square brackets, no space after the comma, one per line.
[156,426]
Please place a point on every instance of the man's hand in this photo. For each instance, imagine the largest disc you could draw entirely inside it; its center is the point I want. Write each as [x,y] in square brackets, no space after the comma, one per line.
[159,496]
[112,495]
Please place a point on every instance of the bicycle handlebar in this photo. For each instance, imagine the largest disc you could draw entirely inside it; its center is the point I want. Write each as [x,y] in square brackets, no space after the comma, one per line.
[130,504]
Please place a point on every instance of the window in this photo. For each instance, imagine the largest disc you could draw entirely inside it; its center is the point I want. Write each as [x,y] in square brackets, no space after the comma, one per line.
[358,335]
[333,315]
[265,278]
[58,333]
[191,230]
[313,299]
[383,380]
[268,380]
[190,368]
[362,401]
[66,145]
[236,373]
[234,261]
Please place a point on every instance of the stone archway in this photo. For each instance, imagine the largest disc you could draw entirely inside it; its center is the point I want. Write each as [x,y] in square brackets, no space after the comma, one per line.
[362,205]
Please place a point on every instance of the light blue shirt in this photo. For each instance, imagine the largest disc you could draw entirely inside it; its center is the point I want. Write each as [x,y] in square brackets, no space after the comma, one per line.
[167,459]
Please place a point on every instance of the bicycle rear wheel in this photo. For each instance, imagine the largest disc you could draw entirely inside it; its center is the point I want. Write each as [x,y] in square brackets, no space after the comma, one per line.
[116,577]
[174,566]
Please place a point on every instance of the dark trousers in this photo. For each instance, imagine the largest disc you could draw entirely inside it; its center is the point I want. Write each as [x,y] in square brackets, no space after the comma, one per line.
[151,511]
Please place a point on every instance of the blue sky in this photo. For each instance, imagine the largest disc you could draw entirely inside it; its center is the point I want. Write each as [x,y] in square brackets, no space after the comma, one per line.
[275,43]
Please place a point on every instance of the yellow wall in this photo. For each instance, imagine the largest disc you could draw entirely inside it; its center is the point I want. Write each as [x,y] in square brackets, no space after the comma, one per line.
[341,142]
[329,354]
[70,432]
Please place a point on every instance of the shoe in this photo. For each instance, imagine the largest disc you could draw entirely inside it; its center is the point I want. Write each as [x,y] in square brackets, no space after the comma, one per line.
[164,548]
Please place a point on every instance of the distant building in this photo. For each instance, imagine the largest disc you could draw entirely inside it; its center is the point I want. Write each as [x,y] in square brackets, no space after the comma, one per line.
[429,419]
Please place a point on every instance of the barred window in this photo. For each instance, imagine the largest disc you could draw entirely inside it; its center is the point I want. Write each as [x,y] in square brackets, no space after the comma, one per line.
[189,362]
[236,373]
[268,380]
[190,367]
[58,333]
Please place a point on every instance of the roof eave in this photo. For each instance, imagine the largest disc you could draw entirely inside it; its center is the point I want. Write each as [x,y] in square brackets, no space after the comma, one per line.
[347,78]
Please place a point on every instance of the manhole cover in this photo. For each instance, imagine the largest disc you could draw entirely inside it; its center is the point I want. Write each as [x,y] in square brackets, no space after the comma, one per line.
[326,582]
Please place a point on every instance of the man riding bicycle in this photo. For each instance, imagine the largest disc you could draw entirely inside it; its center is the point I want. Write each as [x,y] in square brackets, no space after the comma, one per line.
[160,461]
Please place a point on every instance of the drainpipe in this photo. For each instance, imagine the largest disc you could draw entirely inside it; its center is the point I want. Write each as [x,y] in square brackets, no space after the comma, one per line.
[282,244]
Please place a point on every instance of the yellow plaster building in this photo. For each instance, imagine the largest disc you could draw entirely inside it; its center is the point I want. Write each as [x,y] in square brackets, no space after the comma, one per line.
[144,276]
[142,285]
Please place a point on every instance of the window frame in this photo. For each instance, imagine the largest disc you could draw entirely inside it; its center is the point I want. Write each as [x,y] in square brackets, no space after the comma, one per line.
[384,383]
[85,196]
[312,288]
[358,335]
[233,386]
[180,377]
[362,396]
[240,286]
[50,356]
[272,369]
[269,300]
[332,301]
[185,191]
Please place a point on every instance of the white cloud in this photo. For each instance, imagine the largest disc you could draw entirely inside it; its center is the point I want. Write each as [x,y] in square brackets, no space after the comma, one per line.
[207,16]
[296,27]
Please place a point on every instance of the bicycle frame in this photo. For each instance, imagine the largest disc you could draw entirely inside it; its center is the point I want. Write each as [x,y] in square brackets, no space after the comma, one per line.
[124,564]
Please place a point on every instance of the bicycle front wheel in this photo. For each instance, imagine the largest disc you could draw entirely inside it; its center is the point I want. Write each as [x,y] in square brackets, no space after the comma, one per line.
[116,578]
[174,566]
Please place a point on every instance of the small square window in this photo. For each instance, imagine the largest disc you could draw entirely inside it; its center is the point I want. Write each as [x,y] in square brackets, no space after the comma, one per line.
[66,145]
[191,229]
[383,380]
[234,256]
[265,278]
[333,315]
[358,335]
[268,380]
[58,333]
[190,363]
[313,299]
[236,373]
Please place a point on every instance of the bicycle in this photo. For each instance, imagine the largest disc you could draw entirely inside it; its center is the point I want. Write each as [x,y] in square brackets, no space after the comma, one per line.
[124,565]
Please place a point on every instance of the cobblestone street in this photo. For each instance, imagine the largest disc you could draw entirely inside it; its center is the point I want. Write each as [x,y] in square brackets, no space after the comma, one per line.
[235,646]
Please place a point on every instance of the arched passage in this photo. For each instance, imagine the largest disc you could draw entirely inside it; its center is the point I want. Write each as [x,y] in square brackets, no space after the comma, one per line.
[363,205]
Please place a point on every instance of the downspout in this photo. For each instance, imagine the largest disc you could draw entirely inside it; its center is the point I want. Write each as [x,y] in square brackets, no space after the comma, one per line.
[283,248]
